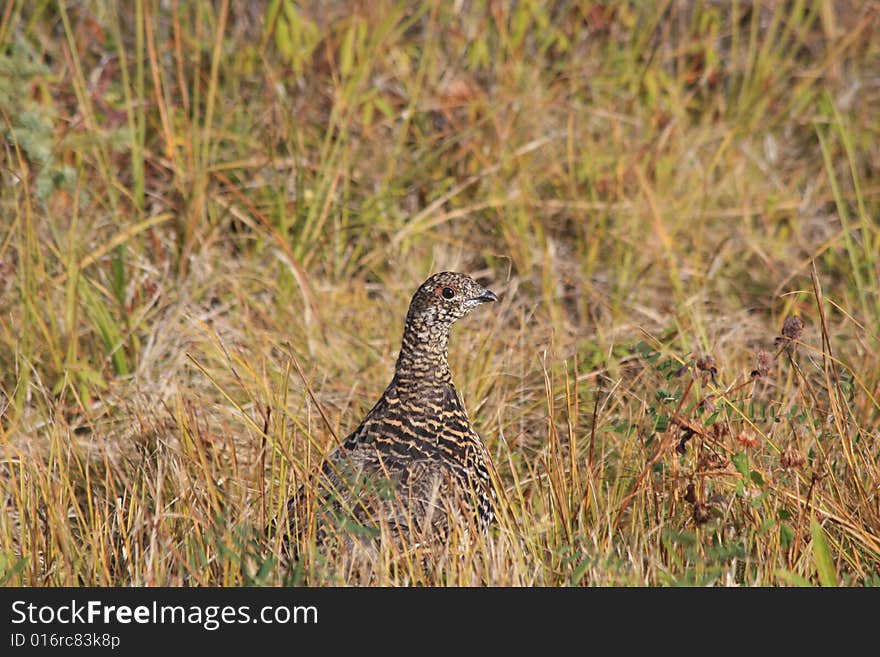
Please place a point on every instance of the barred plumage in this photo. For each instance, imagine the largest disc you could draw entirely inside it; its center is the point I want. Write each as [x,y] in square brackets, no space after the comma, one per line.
[415,462]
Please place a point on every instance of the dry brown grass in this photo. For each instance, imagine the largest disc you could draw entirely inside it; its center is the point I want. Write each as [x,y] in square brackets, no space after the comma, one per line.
[196,197]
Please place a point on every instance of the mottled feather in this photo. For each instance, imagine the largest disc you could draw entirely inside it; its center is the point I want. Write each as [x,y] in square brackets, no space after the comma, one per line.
[415,463]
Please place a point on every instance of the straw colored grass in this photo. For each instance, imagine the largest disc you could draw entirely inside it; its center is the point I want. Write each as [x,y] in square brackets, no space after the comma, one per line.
[214,216]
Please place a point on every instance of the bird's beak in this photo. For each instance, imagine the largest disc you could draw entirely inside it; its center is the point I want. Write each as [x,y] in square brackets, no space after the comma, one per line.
[486,297]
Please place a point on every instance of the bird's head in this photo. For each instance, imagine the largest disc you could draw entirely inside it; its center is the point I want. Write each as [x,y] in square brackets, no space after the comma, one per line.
[445,298]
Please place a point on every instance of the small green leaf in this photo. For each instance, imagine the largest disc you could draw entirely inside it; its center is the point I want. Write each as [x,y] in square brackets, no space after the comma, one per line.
[757,478]
[766,526]
[384,106]
[580,571]
[822,556]
[792,578]
[10,567]
[786,534]
[346,53]
[741,461]
[94,377]
[758,500]
[265,572]
[282,39]
[661,423]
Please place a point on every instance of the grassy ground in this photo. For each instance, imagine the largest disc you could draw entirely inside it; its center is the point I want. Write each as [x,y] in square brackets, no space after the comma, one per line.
[200,200]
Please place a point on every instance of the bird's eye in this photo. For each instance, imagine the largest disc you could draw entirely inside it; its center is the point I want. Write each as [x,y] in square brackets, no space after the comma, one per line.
[447,292]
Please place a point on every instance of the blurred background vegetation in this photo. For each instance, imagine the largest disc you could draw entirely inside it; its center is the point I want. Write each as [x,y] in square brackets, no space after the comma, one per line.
[198,198]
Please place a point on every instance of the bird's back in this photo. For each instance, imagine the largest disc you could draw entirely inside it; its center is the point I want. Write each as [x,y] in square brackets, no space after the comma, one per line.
[411,464]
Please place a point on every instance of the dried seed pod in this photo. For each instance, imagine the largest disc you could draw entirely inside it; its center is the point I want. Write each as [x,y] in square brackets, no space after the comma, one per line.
[686,435]
[702,513]
[792,329]
[791,458]
[763,364]
[712,461]
[706,365]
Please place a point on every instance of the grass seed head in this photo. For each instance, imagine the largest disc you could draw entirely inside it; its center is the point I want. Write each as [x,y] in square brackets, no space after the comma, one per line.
[792,329]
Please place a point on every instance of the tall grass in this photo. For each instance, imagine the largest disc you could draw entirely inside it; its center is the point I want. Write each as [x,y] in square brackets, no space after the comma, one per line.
[214,215]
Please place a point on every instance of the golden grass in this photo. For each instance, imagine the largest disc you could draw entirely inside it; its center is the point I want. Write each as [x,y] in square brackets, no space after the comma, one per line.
[198,196]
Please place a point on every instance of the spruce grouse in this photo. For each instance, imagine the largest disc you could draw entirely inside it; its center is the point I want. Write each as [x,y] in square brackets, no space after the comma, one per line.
[414,465]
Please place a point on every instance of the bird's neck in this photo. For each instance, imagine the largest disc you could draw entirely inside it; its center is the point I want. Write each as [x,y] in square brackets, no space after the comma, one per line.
[423,359]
